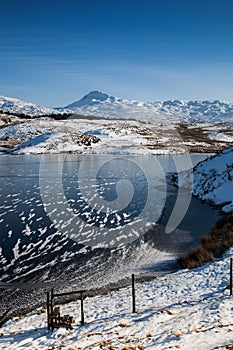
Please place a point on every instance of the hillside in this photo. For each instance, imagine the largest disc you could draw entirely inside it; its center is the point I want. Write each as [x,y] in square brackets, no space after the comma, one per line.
[46,135]
[213,180]
[17,106]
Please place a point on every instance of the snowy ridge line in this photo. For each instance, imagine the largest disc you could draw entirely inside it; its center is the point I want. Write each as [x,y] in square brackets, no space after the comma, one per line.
[99,104]
[16,106]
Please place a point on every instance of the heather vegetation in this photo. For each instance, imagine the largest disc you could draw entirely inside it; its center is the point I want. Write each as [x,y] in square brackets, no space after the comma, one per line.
[212,245]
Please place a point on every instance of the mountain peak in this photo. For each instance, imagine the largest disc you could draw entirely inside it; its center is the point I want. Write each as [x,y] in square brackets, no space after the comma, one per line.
[92,98]
[98,95]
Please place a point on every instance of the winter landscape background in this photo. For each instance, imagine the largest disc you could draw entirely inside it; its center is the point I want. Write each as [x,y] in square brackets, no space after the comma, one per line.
[116,157]
[42,245]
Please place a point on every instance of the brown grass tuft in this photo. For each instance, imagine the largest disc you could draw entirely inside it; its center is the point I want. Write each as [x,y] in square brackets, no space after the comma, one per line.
[212,245]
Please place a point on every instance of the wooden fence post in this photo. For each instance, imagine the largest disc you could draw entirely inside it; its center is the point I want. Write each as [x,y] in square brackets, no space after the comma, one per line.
[51,309]
[82,308]
[48,311]
[133,295]
[231,287]
[52,300]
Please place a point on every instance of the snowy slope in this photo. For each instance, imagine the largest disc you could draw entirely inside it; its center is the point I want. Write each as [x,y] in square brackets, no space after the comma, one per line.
[188,310]
[46,136]
[115,136]
[213,180]
[102,105]
[16,106]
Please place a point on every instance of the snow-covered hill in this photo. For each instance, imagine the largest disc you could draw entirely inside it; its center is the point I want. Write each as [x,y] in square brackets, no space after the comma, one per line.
[213,180]
[16,106]
[103,105]
[46,135]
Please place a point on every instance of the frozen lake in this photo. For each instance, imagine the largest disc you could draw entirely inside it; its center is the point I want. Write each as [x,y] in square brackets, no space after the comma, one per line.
[92,220]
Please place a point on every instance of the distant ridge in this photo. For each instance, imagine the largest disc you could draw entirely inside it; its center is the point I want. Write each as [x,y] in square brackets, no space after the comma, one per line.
[100,104]
[17,106]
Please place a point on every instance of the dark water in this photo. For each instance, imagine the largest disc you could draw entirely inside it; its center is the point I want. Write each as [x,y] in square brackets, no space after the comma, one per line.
[77,221]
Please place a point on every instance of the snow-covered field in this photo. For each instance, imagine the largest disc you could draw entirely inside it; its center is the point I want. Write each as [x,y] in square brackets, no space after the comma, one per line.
[185,310]
[46,135]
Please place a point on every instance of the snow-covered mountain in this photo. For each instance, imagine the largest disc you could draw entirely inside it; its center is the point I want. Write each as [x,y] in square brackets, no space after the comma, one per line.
[16,106]
[103,105]
[92,99]
[99,104]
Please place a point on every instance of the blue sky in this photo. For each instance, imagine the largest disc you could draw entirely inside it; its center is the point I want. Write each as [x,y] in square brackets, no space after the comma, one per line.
[53,52]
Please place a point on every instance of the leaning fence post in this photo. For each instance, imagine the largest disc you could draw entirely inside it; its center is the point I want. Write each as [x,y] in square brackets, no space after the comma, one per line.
[231,287]
[133,295]
[48,310]
[82,308]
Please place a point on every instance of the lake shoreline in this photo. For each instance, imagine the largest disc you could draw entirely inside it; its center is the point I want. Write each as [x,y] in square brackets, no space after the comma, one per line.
[29,172]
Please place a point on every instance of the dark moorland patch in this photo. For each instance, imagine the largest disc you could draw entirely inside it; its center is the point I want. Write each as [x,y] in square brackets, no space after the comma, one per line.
[197,140]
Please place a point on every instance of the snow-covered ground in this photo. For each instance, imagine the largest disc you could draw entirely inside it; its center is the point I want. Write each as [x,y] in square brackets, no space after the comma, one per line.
[213,180]
[186,310]
[46,135]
